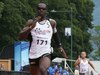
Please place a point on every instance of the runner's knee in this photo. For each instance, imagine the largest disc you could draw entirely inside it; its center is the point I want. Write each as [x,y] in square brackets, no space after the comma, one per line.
[44,64]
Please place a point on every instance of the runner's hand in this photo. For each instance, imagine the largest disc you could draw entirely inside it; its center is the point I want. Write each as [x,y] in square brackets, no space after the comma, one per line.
[79,57]
[36,19]
[62,51]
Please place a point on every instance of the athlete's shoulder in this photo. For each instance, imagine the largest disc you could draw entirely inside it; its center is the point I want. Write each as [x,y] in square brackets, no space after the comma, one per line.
[53,22]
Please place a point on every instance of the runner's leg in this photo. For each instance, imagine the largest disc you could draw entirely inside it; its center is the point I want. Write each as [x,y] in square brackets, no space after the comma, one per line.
[34,69]
[44,64]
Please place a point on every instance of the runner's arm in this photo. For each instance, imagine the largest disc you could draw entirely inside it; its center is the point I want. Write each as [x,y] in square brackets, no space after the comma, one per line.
[55,33]
[56,38]
[91,65]
[30,24]
[26,30]
[77,62]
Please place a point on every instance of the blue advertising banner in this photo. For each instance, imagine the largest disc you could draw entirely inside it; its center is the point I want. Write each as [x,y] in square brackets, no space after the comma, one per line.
[21,50]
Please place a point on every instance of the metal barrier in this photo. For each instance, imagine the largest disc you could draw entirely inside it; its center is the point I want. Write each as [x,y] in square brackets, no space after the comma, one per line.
[14,73]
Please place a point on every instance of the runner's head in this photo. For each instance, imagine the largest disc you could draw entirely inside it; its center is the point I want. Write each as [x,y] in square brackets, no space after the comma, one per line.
[42,9]
[83,54]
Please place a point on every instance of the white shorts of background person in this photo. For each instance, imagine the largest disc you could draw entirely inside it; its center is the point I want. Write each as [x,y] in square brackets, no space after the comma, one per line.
[84,71]
[87,73]
[76,72]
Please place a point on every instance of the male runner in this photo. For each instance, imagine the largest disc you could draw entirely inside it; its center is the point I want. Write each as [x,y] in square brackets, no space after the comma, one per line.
[83,63]
[41,30]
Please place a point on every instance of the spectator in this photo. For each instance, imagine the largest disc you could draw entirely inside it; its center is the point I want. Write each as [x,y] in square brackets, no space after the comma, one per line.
[52,70]
[57,72]
[84,63]
[65,72]
[59,69]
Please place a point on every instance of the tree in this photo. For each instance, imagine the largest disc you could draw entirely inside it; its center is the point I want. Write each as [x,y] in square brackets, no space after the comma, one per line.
[1,8]
[14,15]
[81,21]
[96,40]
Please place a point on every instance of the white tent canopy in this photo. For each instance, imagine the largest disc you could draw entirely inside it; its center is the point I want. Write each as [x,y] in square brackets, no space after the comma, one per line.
[59,60]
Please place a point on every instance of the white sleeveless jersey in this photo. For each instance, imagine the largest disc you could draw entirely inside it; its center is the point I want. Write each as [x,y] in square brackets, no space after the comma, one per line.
[84,66]
[41,43]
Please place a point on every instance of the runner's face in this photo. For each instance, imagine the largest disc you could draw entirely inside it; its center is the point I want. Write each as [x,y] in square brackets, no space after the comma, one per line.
[83,55]
[42,9]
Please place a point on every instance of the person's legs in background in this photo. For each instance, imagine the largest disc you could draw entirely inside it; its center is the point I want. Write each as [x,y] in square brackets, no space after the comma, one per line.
[82,73]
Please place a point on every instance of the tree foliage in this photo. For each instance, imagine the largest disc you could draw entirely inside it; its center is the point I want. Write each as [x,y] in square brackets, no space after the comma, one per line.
[96,40]
[81,22]
[14,14]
